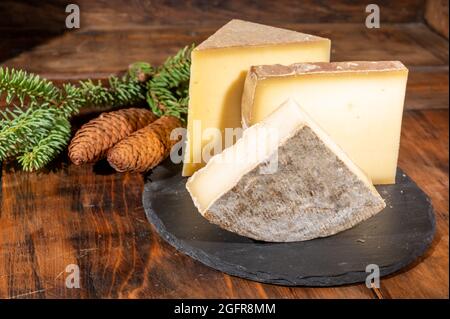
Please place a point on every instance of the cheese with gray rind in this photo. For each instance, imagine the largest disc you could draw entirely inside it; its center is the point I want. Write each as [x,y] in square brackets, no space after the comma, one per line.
[316,191]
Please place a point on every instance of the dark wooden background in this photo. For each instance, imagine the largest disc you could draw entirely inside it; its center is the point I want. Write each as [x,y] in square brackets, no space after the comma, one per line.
[94,218]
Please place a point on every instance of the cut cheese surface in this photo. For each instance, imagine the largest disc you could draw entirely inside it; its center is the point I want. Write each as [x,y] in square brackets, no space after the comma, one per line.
[314,191]
[218,70]
[359,104]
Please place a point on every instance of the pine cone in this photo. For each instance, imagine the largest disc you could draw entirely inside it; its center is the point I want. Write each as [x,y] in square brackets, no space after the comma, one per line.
[145,148]
[95,138]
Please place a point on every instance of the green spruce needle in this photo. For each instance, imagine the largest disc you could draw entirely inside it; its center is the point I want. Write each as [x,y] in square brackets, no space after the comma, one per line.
[35,127]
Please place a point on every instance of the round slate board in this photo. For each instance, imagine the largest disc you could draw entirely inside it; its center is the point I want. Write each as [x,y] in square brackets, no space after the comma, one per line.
[392,239]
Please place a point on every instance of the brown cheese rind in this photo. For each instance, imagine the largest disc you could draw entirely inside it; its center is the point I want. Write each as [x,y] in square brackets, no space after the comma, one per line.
[278,70]
[239,33]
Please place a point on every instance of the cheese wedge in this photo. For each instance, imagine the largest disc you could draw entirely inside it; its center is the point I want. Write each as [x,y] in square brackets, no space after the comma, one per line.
[359,104]
[315,190]
[218,70]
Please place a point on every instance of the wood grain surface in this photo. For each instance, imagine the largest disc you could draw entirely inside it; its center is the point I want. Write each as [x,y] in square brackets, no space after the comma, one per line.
[99,52]
[121,14]
[93,217]
[436,15]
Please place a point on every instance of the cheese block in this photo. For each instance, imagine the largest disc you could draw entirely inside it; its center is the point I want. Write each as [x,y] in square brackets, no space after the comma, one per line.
[315,190]
[359,104]
[218,70]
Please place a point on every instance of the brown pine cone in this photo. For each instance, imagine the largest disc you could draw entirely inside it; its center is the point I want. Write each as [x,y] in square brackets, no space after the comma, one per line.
[95,138]
[145,148]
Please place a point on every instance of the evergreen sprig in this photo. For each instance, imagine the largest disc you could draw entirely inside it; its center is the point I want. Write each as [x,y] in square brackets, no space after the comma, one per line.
[168,90]
[21,129]
[47,147]
[35,127]
[20,84]
[70,100]
[121,91]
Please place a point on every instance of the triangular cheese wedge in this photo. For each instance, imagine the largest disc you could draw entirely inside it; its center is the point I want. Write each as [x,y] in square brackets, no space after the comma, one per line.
[300,186]
[218,70]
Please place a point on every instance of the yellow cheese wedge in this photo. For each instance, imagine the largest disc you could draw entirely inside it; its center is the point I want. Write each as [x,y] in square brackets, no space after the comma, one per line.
[358,104]
[218,71]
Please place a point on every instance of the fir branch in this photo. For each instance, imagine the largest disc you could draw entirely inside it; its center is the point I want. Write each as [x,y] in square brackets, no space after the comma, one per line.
[21,85]
[35,126]
[71,100]
[37,132]
[20,129]
[121,91]
[47,147]
[141,71]
[168,89]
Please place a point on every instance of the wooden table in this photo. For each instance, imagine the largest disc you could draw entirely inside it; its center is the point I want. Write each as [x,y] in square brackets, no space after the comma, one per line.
[93,217]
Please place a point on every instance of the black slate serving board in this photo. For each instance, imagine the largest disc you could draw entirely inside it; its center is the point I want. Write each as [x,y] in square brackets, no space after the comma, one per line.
[392,239]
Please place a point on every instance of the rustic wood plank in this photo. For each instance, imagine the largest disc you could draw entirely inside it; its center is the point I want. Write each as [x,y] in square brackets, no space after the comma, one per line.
[120,14]
[424,157]
[97,53]
[436,15]
[97,222]
[97,50]
[427,88]
[94,218]
[72,218]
